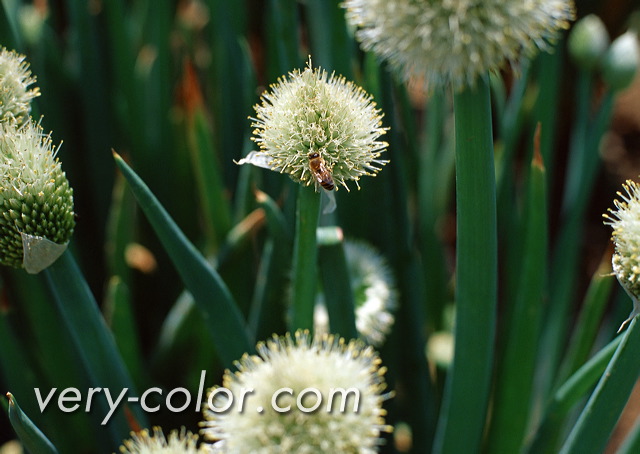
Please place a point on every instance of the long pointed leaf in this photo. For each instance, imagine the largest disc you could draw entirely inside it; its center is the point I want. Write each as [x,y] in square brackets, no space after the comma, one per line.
[591,432]
[31,437]
[223,317]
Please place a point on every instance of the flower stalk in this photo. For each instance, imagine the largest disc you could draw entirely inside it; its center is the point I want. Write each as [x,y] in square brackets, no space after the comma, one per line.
[305,259]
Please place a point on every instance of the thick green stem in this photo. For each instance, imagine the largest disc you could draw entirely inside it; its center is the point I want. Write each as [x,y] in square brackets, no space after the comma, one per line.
[468,383]
[305,255]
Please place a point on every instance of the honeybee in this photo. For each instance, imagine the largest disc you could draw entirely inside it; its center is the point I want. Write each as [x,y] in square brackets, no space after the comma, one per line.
[320,171]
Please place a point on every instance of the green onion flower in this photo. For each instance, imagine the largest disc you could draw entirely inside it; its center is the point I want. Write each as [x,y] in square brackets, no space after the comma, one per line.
[374,290]
[286,373]
[177,443]
[318,129]
[36,201]
[15,94]
[453,42]
[625,221]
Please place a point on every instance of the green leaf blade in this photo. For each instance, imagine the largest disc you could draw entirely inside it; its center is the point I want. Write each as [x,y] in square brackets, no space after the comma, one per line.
[226,324]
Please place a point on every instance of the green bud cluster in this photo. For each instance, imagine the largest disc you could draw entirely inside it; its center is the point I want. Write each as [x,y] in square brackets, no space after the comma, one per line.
[35,196]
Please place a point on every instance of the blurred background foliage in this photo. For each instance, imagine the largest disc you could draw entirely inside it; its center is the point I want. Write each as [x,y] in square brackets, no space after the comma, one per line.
[169,86]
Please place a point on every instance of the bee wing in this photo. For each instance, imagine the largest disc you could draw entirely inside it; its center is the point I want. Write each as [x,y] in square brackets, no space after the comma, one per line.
[330,204]
[256,158]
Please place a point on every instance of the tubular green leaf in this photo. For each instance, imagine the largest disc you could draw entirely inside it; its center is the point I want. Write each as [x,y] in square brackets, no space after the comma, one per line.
[517,369]
[468,383]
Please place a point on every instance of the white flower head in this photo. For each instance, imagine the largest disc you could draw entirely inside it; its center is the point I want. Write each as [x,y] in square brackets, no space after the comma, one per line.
[455,41]
[36,201]
[299,364]
[374,291]
[312,116]
[182,442]
[625,221]
[15,94]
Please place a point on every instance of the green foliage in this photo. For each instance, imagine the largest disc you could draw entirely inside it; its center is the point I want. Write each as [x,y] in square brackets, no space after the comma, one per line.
[194,259]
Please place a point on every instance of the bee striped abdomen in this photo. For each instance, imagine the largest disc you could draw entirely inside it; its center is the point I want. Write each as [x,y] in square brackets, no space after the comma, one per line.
[320,172]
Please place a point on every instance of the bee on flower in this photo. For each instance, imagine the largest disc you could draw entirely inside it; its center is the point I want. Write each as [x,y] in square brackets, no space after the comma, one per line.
[321,130]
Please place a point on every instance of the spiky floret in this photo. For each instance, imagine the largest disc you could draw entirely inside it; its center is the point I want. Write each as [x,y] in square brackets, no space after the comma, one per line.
[35,196]
[625,221]
[182,442]
[310,111]
[453,42]
[324,363]
[15,94]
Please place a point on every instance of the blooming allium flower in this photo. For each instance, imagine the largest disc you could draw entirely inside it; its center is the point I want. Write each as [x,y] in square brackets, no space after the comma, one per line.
[36,201]
[324,364]
[453,42]
[15,78]
[374,291]
[625,221]
[309,112]
[144,443]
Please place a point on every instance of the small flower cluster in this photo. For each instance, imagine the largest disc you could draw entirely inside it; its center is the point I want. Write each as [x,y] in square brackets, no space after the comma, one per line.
[36,201]
[453,42]
[310,118]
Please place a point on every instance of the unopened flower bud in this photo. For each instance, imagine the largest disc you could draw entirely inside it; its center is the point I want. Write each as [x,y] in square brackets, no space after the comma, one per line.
[588,41]
[620,62]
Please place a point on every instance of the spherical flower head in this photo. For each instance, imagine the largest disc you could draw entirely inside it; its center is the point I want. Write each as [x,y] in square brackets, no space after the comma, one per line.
[36,201]
[182,442]
[454,42]
[15,78]
[310,118]
[625,221]
[327,365]
[374,292]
